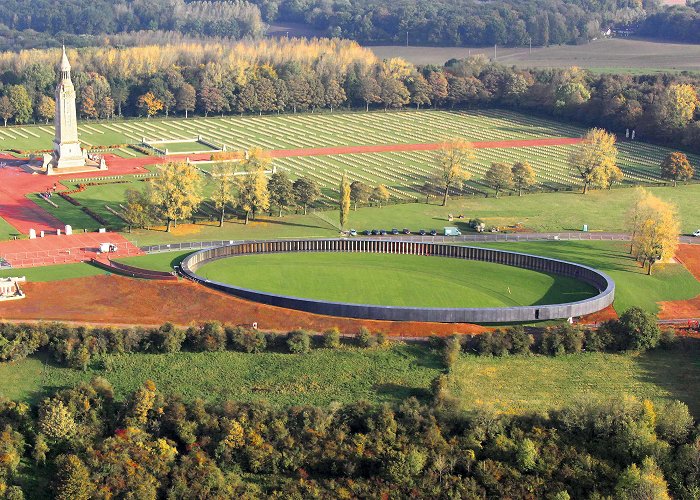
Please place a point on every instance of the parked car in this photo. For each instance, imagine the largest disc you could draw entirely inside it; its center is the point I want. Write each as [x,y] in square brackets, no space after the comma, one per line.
[382,232]
[433,232]
[375,232]
[697,233]
[353,232]
[367,232]
[406,231]
[452,231]
[394,231]
[422,232]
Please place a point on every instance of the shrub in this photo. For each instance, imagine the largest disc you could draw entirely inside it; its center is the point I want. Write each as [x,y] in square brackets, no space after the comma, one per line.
[564,339]
[500,343]
[668,338]
[382,338]
[331,338]
[365,338]
[167,338]
[603,338]
[640,330]
[298,342]
[483,344]
[246,340]
[450,351]
[520,340]
[210,337]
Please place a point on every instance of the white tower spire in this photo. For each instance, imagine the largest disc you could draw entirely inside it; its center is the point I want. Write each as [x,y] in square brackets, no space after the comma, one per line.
[66,146]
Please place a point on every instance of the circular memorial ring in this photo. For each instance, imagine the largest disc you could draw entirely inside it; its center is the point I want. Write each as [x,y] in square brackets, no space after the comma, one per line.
[601,281]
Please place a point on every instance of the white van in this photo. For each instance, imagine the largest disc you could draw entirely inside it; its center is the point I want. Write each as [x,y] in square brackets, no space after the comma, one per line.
[452,231]
[697,233]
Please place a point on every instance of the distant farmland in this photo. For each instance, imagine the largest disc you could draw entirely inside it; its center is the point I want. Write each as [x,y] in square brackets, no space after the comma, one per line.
[618,54]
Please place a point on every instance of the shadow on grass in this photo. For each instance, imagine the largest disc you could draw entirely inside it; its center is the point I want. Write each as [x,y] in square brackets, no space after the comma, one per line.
[675,370]
[394,393]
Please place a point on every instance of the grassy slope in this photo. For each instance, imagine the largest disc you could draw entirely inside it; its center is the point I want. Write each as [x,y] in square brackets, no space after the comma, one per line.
[6,230]
[633,286]
[522,384]
[320,377]
[156,261]
[397,280]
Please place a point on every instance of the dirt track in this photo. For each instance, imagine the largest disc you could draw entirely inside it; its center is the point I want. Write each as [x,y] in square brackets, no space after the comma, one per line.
[689,256]
[118,300]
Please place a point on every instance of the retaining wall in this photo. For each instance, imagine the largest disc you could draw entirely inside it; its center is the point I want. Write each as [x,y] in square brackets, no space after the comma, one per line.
[597,279]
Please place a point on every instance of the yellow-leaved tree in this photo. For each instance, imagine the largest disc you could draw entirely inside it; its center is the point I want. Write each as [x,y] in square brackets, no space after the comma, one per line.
[682,103]
[253,195]
[452,159]
[655,230]
[150,104]
[222,180]
[176,192]
[595,160]
[344,201]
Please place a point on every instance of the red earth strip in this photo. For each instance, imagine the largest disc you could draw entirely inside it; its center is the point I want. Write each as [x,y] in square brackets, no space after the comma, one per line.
[689,256]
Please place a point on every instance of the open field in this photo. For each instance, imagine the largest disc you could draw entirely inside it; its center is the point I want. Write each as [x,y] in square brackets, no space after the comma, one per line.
[511,384]
[183,147]
[536,384]
[54,273]
[605,55]
[319,378]
[633,286]
[6,230]
[395,280]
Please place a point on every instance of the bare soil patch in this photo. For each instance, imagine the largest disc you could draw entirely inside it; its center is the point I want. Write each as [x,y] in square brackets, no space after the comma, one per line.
[123,301]
[689,256]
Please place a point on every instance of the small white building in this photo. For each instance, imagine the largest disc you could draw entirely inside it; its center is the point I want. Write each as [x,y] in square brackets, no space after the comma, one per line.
[10,290]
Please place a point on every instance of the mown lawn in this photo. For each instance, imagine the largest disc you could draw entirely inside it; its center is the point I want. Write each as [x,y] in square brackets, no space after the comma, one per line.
[395,280]
[164,261]
[6,230]
[320,377]
[54,273]
[539,383]
[633,286]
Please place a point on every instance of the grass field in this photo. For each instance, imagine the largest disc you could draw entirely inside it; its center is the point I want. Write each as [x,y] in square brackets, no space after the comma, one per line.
[511,384]
[321,377]
[611,55]
[54,273]
[183,147]
[156,261]
[404,173]
[6,230]
[395,280]
[633,286]
[540,383]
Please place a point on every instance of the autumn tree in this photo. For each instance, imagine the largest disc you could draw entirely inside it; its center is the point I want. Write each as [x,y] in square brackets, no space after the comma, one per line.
[656,237]
[646,481]
[55,420]
[636,214]
[253,194]
[420,90]
[676,167]
[344,201]
[595,160]
[452,159]
[72,479]
[21,103]
[334,94]
[306,191]
[682,101]
[149,104]
[87,103]
[438,87]
[499,176]
[393,93]
[359,193]
[281,191]
[46,108]
[523,176]
[222,179]
[140,404]
[105,107]
[138,210]
[176,192]
[380,195]
[369,89]
[185,98]
[7,110]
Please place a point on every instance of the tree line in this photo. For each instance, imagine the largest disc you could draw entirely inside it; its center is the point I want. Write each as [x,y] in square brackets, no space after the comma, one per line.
[298,75]
[676,22]
[460,22]
[86,443]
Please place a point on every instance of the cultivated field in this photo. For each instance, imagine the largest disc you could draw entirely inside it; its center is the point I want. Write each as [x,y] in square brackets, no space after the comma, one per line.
[605,55]
[395,280]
